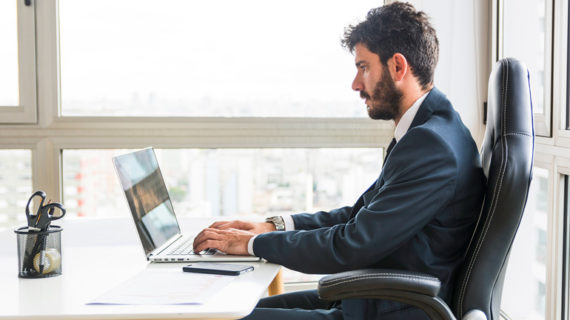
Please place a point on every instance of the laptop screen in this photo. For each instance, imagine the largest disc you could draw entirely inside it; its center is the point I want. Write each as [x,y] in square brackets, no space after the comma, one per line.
[148,198]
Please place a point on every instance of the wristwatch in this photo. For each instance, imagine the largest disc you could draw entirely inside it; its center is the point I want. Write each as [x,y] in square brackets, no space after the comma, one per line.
[277,222]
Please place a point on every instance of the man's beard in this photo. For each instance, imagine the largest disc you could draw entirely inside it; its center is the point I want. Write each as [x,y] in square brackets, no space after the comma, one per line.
[385,101]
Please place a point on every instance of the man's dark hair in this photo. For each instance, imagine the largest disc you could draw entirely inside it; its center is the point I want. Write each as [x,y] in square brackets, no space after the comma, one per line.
[398,28]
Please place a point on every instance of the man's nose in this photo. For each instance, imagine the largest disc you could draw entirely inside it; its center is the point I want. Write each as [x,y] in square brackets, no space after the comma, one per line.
[357,84]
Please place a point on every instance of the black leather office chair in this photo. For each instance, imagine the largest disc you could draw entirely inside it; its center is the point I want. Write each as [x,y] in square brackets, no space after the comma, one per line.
[507,157]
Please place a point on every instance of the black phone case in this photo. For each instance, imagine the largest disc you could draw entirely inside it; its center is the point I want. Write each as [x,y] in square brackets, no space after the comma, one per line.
[218,268]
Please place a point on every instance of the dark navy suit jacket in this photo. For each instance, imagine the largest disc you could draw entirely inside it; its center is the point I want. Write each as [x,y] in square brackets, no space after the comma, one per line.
[418,215]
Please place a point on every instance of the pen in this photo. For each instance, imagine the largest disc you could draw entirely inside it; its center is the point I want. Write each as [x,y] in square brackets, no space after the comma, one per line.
[42,253]
[44,228]
[37,220]
[34,250]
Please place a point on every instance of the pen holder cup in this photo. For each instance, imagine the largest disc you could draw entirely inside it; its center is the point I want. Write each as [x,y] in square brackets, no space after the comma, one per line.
[39,252]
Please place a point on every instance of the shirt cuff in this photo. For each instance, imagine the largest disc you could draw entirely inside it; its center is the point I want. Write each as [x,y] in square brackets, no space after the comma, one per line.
[289,223]
[250,246]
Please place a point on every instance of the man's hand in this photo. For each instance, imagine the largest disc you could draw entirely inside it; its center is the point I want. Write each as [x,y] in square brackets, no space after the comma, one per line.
[231,241]
[253,227]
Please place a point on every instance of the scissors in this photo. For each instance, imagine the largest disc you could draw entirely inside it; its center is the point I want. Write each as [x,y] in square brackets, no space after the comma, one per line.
[45,214]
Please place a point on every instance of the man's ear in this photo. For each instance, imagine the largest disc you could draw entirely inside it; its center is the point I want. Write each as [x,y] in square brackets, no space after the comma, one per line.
[398,66]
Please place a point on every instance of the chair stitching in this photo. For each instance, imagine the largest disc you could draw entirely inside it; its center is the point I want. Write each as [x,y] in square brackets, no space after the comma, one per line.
[495,197]
[519,134]
[380,276]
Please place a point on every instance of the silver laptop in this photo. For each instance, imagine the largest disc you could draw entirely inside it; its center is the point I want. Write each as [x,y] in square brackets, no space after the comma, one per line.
[154,215]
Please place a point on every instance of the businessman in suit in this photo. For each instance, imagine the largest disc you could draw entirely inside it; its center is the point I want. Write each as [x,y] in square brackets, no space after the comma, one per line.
[420,212]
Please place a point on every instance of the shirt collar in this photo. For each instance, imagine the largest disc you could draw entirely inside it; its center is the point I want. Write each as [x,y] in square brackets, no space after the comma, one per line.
[407,118]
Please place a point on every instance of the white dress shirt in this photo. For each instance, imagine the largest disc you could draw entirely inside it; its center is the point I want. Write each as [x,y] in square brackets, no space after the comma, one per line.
[407,118]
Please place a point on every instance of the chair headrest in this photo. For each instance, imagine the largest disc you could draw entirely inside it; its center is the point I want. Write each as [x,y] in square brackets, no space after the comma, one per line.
[509,86]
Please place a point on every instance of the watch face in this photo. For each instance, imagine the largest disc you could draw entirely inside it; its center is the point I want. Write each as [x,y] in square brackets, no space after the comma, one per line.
[277,222]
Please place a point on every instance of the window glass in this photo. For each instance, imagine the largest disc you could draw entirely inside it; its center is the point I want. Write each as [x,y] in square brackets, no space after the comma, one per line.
[567,26]
[525,38]
[524,291]
[9,94]
[15,186]
[208,58]
[227,182]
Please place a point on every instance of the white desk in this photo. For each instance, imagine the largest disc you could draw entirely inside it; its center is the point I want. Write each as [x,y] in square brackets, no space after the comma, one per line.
[93,263]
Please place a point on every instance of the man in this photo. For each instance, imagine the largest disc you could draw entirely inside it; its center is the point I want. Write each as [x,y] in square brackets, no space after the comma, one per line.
[420,212]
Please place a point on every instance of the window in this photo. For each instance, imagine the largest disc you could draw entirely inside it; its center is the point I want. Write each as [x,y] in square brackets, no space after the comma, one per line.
[527,36]
[15,185]
[228,182]
[9,55]
[524,293]
[111,81]
[17,62]
[567,74]
[207,59]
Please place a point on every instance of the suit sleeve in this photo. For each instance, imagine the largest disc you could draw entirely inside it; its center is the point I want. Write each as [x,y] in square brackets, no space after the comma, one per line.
[418,182]
[309,221]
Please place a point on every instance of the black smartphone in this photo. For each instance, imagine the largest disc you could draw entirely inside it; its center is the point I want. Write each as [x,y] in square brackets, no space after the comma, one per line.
[218,268]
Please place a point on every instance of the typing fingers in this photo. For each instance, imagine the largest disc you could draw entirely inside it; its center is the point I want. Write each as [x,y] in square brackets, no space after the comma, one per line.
[231,241]
[217,224]
[211,244]
[206,235]
[235,224]
[224,225]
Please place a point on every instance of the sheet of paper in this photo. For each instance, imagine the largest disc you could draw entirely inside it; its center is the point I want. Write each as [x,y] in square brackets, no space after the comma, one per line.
[165,286]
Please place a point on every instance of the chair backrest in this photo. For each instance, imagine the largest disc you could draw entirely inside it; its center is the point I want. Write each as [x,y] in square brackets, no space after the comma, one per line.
[507,158]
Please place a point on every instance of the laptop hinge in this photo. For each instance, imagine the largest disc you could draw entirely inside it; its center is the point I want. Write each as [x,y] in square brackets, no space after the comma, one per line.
[165,245]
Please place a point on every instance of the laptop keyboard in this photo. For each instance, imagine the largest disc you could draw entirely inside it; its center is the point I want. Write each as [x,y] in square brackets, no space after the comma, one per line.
[185,248]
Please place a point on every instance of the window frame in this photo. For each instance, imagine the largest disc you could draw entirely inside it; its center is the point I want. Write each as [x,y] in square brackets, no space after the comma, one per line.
[561,240]
[561,91]
[565,248]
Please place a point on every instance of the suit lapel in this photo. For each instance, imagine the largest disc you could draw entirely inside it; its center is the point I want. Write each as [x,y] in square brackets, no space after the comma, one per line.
[434,100]
[390,147]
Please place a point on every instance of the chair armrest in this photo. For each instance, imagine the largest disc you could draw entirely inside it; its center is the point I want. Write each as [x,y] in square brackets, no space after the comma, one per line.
[411,288]
[345,284]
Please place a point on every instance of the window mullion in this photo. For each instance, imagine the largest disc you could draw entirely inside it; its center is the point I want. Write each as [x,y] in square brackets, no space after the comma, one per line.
[46,169]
